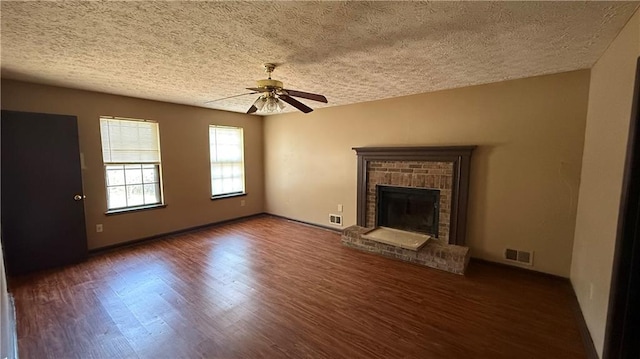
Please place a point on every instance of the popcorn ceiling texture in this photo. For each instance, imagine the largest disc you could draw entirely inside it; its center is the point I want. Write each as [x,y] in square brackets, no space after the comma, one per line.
[193,52]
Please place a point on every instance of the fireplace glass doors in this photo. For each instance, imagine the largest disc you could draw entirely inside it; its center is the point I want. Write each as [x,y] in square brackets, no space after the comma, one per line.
[408,209]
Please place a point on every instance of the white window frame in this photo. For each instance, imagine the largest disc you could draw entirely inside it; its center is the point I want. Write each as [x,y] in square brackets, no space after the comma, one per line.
[233,181]
[131,165]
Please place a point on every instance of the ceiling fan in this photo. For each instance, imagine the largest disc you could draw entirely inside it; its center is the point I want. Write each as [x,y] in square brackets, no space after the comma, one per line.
[273,94]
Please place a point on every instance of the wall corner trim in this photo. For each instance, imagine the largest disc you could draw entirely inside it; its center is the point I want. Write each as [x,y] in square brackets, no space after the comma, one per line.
[585,335]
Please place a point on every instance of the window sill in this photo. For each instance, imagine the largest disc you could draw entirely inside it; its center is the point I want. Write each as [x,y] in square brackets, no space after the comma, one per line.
[133,209]
[230,195]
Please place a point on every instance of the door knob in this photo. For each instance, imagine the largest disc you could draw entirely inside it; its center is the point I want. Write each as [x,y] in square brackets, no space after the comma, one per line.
[78,197]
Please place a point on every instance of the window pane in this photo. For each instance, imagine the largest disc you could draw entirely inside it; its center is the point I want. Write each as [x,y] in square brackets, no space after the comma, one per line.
[216,170]
[115,175]
[227,171]
[151,193]
[237,184]
[216,186]
[116,197]
[135,196]
[227,185]
[237,170]
[133,174]
[149,175]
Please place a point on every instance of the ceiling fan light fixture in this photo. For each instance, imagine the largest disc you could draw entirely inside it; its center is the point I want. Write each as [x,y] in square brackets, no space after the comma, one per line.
[273,104]
[260,104]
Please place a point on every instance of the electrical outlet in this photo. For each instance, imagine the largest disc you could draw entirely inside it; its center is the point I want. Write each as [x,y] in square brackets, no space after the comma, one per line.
[242,203]
[339,208]
[98,228]
[590,291]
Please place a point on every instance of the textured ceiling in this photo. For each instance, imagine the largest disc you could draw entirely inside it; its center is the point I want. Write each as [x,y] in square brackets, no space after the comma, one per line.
[193,52]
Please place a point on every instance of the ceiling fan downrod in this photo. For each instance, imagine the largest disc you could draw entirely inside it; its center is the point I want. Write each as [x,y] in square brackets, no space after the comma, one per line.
[269,84]
[268,68]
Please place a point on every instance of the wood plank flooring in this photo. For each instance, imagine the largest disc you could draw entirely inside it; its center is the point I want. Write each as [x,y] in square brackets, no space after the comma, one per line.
[271,288]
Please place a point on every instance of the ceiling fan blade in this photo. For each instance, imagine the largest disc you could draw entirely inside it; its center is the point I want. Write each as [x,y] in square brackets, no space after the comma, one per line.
[257,105]
[295,103]
[307,95]
[224,98]
[258,89]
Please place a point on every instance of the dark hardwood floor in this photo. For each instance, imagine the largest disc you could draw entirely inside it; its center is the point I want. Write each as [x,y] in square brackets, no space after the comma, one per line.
[271,288]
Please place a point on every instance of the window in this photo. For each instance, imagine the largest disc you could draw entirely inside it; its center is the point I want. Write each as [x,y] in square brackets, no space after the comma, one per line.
[226,146]
[131,156]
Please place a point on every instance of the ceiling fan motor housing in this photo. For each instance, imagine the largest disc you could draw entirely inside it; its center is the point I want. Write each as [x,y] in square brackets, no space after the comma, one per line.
[270,84]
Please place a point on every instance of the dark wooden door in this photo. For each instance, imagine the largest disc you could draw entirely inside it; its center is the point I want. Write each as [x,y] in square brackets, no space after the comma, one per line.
[42,217]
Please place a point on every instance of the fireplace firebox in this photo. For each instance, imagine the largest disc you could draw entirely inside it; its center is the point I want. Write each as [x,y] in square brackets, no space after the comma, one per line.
[408,209]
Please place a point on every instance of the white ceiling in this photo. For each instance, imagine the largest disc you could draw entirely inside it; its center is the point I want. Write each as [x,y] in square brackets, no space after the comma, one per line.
[193,52]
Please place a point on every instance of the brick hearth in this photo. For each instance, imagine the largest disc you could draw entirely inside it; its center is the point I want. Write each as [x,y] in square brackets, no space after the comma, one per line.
[435,254]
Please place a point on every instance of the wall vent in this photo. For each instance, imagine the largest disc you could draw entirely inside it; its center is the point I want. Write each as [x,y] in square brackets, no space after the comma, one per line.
[511,254]
[335,219]
[522,257]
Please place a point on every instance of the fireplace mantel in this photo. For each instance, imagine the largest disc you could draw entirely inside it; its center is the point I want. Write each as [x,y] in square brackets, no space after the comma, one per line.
[458,156]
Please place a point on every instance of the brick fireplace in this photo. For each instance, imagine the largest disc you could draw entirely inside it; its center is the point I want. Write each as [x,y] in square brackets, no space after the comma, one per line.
[415,174]
[442,168]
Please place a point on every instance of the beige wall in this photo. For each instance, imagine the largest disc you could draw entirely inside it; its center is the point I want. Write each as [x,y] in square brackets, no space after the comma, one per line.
[608,116]
[525,172]
[185,159]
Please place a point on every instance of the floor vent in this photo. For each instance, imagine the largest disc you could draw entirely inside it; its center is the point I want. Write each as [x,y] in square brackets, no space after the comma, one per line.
[522,257]
[335,219]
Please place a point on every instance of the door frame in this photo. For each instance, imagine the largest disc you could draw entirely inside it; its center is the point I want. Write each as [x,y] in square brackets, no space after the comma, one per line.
[622,334]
